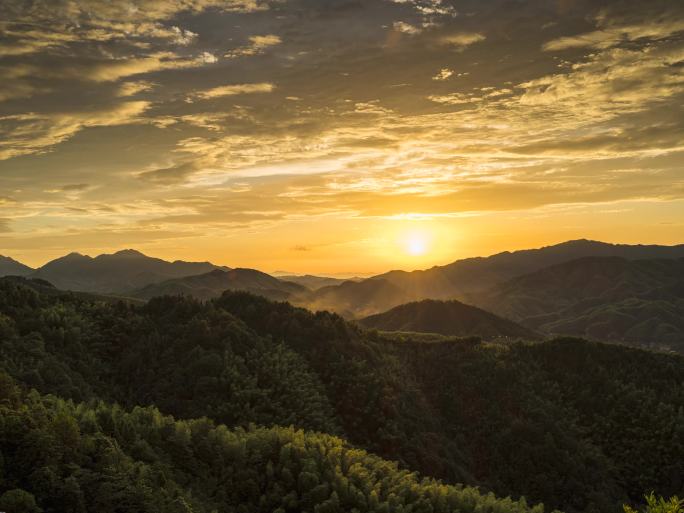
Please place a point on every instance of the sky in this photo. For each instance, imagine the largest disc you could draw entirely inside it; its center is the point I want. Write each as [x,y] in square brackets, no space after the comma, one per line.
[338,136]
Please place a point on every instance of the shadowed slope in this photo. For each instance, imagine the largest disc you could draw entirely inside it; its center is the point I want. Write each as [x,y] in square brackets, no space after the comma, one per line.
[638,302]
[447,318]
[465,277]
[10,267]
[214,283]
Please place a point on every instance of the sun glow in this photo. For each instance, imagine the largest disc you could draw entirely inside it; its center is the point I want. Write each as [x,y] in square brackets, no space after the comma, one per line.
[416,243]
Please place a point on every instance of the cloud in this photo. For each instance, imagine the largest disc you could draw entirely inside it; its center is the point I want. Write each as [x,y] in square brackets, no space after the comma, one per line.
[610,82]
[613,36]
[461,40]
[207,58]
[18,78]
[138,17]
[183,37]
[233,90]
[23,134]
[22,42]
[431,10]
[406,28]
[71,188]
[112,70]
[170,175]
[80,33]
[444,74]
[454,98]
[133,88]
[257,45]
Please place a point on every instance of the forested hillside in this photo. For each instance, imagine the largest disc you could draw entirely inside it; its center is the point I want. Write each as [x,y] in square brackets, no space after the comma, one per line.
[576,425]
[636,302]
[61,457]
[447,318]
[214,283]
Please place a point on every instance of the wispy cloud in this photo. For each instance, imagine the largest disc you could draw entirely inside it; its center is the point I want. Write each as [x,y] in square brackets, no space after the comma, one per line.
[23,134]
[615,35]
[233,90]
[461,40]
[257,45]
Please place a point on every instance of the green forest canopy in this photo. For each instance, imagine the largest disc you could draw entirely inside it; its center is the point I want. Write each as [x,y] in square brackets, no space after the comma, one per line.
[578,426]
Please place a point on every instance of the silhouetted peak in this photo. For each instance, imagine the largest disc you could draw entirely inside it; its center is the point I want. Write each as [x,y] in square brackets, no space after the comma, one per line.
[74,255]
[9,259]
[129,253]
[583,242]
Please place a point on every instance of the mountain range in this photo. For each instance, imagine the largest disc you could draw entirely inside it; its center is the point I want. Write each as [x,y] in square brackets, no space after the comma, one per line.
[312,282]
[628,294]
[607,298]
[119,273]
[463,278]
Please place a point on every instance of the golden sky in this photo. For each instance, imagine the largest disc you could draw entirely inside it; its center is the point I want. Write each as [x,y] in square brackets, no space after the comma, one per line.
[338,136]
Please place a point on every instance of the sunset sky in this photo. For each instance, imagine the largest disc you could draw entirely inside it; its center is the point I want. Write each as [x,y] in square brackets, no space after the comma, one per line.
[338,136]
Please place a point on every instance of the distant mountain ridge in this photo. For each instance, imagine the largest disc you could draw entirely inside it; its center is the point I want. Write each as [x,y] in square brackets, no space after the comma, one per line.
[460,279]
[214,283]
[639,302]
[311,281]
[355,299]
[447,318]
[120,272]
[11,267]
[610,292]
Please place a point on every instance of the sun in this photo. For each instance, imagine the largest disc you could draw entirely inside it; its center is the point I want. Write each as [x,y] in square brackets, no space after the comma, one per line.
[416,244]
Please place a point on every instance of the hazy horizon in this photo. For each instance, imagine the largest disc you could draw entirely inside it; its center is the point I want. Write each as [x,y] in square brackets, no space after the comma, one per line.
[339,273]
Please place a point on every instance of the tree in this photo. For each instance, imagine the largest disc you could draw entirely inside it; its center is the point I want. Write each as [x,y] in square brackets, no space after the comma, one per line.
[659,505]
[18,501]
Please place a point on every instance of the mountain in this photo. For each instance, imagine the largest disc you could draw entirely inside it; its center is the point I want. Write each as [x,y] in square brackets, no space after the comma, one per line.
[638,302]
[119,273]
[355,299]
[10,267]
[579,426]
[214,283]
[311,281]
[48,289]
[462,278]
[447,318]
